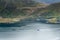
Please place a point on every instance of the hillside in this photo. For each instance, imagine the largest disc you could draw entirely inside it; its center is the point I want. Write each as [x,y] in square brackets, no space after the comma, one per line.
[53,10]
[52,13]
[15,10]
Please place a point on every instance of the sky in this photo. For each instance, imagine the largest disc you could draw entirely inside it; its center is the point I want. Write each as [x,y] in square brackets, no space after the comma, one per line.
[48,1]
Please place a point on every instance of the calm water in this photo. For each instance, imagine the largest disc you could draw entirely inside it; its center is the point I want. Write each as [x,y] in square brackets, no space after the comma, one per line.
[32,31]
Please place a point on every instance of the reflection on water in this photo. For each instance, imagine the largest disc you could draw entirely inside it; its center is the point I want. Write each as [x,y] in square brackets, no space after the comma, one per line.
[32,31]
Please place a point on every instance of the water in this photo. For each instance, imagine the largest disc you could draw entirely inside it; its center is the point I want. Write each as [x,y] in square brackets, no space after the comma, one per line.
[32,31]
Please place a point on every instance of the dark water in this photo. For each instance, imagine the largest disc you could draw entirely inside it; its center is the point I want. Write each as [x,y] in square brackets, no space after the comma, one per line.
[31,31]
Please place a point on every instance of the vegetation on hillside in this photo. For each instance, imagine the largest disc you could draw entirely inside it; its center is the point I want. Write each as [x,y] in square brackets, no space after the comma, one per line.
[8,8]
[53,11]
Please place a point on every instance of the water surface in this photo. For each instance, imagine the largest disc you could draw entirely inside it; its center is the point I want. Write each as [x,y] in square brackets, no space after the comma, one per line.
[32,31]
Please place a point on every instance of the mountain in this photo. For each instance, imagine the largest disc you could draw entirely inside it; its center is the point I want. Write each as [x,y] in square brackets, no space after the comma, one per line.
[52,13]
[15,10]
[9,7]
[53,10]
